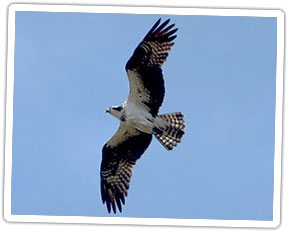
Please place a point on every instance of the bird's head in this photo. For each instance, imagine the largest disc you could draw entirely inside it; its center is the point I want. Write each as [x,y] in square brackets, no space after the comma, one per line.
[116,111]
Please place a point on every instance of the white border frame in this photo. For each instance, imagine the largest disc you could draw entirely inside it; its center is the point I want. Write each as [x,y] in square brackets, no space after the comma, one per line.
[144,10]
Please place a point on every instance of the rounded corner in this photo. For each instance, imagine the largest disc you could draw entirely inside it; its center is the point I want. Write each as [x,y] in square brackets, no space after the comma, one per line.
[281,13]
[11,6]
[276,224]
[6,218]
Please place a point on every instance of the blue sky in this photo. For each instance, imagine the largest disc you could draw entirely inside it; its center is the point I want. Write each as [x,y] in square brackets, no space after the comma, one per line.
[69,68]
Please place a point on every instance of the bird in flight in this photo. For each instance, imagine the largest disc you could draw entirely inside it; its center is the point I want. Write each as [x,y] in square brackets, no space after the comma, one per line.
[138,115]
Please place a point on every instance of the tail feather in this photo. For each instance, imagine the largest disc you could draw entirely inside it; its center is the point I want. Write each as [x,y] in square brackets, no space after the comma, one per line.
[172,134]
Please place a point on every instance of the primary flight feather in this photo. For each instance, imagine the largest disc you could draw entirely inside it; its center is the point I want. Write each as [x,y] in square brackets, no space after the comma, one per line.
[138,115]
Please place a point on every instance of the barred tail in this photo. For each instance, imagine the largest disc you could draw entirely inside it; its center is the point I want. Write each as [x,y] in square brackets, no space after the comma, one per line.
[173,133]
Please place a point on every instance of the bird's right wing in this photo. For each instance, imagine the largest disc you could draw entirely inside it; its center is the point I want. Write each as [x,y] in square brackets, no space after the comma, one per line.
[119,155]
[144,66]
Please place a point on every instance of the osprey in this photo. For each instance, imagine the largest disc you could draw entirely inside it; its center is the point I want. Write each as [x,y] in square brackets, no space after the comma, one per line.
[138,115]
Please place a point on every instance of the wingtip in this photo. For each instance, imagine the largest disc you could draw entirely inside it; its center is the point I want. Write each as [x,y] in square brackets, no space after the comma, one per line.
[163,25]
[172,38]
[153,28]
[119,205]
[108,207]
[167,21]
[113,207]
[172,32]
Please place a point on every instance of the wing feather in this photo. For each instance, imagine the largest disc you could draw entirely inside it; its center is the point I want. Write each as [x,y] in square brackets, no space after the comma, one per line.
[144,66]
[119,155]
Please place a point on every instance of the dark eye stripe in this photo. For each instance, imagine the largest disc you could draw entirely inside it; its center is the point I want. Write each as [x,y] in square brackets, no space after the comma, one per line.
[118,108]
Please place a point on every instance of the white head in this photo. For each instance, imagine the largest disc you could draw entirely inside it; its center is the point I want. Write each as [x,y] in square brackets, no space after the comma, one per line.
[116,111]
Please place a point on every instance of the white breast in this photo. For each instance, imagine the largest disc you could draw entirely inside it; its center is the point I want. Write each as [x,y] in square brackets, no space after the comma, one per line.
[138,116]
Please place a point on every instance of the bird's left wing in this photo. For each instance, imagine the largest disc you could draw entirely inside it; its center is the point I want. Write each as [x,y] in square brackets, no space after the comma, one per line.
[119,155]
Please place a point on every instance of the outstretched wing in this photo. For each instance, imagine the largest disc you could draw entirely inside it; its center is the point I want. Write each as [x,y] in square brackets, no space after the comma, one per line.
[144,66]
[119,155]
